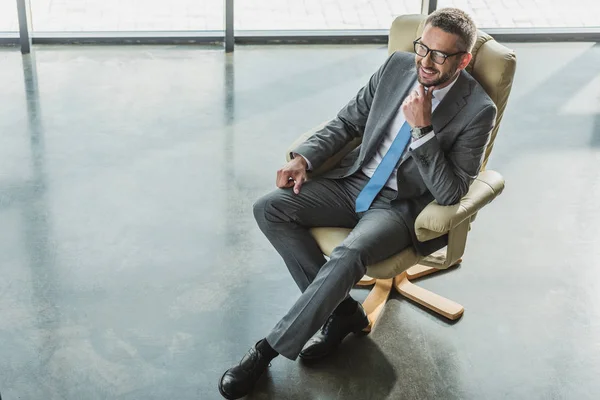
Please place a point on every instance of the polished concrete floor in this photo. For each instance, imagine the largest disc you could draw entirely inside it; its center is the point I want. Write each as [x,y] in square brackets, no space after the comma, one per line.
[131,267]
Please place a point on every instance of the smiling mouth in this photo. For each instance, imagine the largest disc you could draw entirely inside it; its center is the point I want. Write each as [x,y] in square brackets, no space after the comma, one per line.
[428,72]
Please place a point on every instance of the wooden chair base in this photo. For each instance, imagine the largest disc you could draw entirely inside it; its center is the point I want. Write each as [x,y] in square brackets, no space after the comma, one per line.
[366,281]
[378,296]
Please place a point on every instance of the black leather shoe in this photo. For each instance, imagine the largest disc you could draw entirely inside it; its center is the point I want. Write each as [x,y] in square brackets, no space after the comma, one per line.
[238,381]
[333,332]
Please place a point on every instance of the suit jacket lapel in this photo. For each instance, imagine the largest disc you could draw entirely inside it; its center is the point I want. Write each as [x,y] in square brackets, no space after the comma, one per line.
[448,108]
[451,104]
[396,93]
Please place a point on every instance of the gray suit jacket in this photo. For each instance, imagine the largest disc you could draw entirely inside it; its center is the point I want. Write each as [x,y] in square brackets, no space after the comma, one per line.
[441,169]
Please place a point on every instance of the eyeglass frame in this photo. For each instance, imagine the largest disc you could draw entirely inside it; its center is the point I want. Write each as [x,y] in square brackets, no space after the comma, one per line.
[416,42]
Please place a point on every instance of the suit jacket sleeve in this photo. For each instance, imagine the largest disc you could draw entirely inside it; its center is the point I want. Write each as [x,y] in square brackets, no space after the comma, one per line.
[448,176]
[349,124]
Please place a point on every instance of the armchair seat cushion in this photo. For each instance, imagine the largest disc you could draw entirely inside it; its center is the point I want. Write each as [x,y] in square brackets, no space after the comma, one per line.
[330,238]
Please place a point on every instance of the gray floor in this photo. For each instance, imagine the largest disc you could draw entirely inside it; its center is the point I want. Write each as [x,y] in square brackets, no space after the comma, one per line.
[131,267]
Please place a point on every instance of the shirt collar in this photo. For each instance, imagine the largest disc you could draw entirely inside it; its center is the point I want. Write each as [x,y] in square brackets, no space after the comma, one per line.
[439,94]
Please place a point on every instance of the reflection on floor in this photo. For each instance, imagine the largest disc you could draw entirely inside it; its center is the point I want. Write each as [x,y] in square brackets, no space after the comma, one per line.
[131,267]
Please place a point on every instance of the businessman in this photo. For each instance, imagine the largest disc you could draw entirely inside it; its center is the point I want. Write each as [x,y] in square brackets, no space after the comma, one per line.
[424,124]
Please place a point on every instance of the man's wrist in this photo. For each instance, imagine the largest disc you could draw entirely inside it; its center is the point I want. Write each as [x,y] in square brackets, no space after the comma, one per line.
[417,132]
[416,143]
[302,160]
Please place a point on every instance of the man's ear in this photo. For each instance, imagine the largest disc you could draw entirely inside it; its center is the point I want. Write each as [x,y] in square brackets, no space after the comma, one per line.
[465,60]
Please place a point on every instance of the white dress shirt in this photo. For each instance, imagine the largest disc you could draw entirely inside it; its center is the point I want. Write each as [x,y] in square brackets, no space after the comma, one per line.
[370,167]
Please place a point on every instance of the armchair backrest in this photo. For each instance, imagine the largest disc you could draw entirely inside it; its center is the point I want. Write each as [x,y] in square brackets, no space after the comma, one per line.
[493,65]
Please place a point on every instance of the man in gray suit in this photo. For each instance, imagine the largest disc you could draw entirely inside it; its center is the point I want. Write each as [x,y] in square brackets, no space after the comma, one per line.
[424,124]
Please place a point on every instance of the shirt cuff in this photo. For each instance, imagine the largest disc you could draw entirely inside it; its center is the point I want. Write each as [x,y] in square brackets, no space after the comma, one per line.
[309,165]
[421,141]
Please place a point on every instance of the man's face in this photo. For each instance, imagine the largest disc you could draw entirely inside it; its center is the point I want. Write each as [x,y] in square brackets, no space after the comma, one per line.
[430,73]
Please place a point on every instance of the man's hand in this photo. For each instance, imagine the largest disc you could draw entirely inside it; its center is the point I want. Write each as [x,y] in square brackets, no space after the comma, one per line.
[292,174]
[417,107]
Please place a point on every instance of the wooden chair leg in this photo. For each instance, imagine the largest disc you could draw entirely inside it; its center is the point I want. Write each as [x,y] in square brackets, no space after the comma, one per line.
[366,281]
[434,302]
[376,299]
[419,271]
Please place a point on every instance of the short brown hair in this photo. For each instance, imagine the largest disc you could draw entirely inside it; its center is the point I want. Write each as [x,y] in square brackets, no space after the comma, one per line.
[457,22]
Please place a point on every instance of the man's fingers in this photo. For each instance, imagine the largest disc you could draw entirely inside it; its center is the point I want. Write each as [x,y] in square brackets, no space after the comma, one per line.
[288,179]
[290,182]
[298,185]
[283,179]
[430,91]
[298,181]
[421,90]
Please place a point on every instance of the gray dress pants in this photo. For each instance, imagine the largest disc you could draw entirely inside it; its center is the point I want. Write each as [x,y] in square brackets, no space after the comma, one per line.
[285,219]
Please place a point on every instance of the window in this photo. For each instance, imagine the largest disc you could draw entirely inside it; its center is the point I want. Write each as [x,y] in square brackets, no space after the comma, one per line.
[9,20]
[320,14]
[126,15]
[530,13]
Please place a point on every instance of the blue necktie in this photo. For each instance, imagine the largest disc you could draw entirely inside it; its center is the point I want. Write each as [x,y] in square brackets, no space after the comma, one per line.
[384,170]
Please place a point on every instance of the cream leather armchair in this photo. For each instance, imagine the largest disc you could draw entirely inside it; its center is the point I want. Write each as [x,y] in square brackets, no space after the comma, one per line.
[493,66]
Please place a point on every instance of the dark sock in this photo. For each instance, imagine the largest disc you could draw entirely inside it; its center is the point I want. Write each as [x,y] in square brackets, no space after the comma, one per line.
[346,307]
[266,350]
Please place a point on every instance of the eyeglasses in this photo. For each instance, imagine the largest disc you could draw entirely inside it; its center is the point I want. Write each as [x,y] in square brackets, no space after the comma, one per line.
[437,56]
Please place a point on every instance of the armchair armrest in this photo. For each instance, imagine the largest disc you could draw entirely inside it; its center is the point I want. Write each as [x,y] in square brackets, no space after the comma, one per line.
[331,162]
[301,139]
[435,220]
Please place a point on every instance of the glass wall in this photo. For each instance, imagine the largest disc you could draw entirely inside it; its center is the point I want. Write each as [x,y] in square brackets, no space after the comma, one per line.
[530,13]
[126,15]
[9,21]
[284,15]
